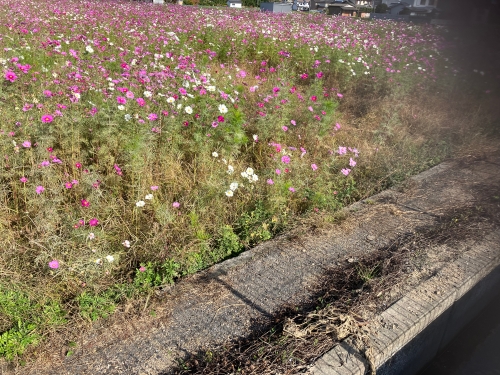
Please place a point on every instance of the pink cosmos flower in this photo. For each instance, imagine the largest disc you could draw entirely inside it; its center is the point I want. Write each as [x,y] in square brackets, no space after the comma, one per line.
[278,171]
[47,93]
[118,170]
[310,108]
[10,76]
[314,98]
[285,159]
[182,91]
[293,122]
[54,264]
[342,150]
[291,189]
[121,100]
[23,179]
[340,95]
[130,95]
[78,165]
[27,144]
[154,187]
[39,189]
[24,68]
[142,269]
[285,128]
[176,204]
[314,167]
[85,203]
[141,102]
[345,171]
[152,117]
[47,118]
[68,185]
[337,126]
[270,182]
[304,76]
[44,163]
[319,74]
[352,162]
[93,222]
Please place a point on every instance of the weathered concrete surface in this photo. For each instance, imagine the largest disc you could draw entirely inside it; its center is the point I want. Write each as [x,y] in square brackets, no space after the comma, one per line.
[225,301]
[415,328]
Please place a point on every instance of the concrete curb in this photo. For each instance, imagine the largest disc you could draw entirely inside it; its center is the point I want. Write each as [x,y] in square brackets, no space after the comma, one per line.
[410,332]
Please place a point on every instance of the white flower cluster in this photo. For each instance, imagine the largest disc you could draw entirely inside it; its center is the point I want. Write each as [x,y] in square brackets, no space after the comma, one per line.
[141,203]
[250,175]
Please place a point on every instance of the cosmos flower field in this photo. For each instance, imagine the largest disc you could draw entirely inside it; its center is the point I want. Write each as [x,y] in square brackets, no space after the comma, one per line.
[141,143]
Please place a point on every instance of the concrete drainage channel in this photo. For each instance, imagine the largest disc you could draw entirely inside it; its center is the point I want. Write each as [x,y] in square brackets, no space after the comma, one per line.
[415,328]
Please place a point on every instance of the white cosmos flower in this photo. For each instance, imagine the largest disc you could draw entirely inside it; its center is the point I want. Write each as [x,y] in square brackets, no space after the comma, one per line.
[229,193]
[255,178]
[211,88]
[89,49]
[215,154]
[255,137]
[188,110]
[121,107]
[140,204]
[127,117]
[179,106]
[148,94]
[126,243]
[244,174]
[230,169]
[249,171]
[222,108]
[110,258]
[233,186]
[149,197]
[171,100]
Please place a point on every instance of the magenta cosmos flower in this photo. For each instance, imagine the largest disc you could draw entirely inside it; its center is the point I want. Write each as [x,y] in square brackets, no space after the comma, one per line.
[285,159]
[10,76]
[47,118]
[39,189]
[54,264]
[93,222]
